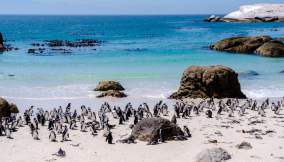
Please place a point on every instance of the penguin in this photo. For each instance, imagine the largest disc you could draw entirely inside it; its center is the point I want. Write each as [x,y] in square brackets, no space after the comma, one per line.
[60,153]
[174,119]
[135,120]
[120,120]
[209,113]
[20,122]
[50,125]
[72,125]
[52,136]
[93,129]
[83,126]
[13,126]
[94,118]
[59,128]
[186,132]
[161,133]
[109,138]
[65,134]
[35,135]
[8,133]
[1,128]
[36,123]
[32,128]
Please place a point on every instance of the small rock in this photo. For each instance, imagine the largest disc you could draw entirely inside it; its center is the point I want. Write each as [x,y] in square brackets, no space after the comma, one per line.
[244,145]
[213,155]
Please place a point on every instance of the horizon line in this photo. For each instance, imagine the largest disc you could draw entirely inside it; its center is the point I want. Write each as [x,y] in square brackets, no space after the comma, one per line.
[198,14]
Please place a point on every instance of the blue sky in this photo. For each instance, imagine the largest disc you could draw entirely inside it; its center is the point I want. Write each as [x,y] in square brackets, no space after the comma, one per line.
[115,7]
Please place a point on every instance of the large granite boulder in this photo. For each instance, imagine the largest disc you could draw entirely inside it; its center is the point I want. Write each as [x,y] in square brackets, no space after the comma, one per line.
[109,85]
[213,155]
[261,10]
[240,44]
[271,49]
[112,93]
[148,129]
[14,108]
[5,108]
[209,81]
[253,13]
[110,89]
[259,45]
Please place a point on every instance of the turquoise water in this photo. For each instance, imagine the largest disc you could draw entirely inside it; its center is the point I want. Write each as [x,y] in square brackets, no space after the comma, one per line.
[166,46]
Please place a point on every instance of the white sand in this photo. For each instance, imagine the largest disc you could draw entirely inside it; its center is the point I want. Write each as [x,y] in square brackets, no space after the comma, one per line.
[23,148]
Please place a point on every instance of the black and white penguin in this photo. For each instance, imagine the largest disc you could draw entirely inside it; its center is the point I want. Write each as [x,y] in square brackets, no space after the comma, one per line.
[186,132]
[135,120]
[209,114]
[8,133]
[174,119]
[20,122]
[109,138]
[65,134]
[52,136]
[35,135]
[93,129]
[83,127]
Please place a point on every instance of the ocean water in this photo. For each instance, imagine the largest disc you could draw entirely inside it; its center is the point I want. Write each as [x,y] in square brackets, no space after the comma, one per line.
[147,54]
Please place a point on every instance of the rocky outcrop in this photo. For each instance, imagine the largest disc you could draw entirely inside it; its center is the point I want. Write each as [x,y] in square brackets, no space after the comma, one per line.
[112,93]
[109,85]
[244,20]
[213,155]
[253,13]
[2,48]
[6,109]
[111,89]
[53,47]
[74,44]
[261,10]
[240,44]
[209,81]
[271,49]
[259,45]
[5,47]
[148,129]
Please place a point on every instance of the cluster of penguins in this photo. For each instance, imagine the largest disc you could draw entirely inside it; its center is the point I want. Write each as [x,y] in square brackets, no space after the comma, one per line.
[60,121]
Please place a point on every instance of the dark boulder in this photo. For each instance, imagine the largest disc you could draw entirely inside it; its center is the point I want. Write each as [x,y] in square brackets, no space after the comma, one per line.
[112,93]
[5,108]
[109,85]
[245,20]
[1,38]
[240,44]
[148,129]
[271,49]
[209,81]
[14,108]
[259,45]
[2,48]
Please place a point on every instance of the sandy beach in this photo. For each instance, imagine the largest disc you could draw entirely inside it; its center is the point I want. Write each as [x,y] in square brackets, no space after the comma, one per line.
[226,130]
